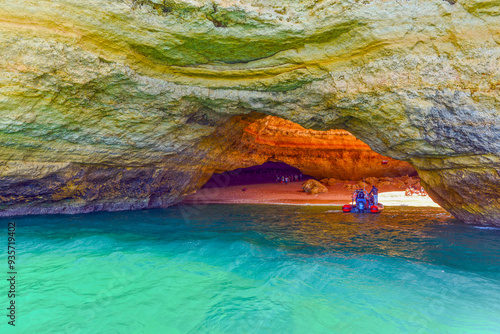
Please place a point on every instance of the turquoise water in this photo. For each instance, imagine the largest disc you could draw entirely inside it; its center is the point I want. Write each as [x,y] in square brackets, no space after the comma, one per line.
[254,269]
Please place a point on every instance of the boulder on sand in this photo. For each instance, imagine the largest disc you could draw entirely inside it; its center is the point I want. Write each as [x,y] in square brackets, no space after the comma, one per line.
[412,181]
[361,185]
[314,187]
[350,186]
[372,181]
[329,181]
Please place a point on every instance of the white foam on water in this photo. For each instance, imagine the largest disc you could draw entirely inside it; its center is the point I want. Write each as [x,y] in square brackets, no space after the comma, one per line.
[487,228]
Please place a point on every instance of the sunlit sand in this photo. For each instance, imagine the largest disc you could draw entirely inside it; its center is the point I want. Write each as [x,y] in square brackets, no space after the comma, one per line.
[276,193]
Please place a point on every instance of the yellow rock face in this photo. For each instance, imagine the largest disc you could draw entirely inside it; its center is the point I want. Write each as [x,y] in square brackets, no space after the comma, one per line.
[123,104]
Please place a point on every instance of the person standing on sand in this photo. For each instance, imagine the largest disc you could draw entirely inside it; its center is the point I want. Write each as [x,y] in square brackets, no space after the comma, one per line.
[374,193]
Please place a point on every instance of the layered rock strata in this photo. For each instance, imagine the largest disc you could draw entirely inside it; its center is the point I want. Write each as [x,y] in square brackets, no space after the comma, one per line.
[332,153]
[97,94]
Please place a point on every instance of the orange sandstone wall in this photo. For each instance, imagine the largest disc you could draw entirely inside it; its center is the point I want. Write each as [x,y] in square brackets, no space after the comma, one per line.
[333,153]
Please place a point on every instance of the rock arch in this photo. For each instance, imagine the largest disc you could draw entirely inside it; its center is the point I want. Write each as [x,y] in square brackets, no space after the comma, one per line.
[119,100]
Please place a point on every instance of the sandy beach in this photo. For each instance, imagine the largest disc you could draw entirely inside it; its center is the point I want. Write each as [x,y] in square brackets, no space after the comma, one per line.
[292,194]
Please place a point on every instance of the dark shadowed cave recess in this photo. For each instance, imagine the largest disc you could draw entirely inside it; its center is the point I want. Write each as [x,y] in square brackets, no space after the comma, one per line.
[255,149]
[251,140]
[268,172]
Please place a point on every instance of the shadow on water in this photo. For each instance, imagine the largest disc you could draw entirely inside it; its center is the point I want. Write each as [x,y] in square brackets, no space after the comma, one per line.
[424,234]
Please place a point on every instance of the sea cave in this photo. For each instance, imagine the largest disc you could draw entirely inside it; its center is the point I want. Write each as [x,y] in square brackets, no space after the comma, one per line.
[175,166]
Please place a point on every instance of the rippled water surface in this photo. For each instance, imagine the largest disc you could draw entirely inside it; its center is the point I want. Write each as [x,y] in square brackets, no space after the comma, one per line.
[255,269]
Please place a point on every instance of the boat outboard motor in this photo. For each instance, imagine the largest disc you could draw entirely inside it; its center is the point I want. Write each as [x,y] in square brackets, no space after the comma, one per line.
[360,201]
[361,204]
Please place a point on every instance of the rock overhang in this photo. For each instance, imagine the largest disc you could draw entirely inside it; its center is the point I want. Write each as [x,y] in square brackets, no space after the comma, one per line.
[123,83]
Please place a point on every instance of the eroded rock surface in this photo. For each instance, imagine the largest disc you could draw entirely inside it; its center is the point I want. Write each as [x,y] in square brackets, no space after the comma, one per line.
[314,187]
[123,104]
[332,153]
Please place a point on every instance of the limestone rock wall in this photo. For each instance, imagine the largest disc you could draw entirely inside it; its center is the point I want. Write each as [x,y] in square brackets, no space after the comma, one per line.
[135,89]
[322,154]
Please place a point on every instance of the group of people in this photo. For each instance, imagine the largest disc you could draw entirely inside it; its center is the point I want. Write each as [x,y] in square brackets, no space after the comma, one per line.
[410,191]
[285,179]
[371,197]
[279,176]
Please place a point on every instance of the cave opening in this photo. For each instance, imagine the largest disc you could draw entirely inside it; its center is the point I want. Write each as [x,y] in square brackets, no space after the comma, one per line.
[268,172]
[259,153]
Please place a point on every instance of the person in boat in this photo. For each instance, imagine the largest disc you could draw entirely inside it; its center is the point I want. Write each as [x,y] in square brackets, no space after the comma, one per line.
[369,199]
[361,199]
[360,194]
[374,194]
